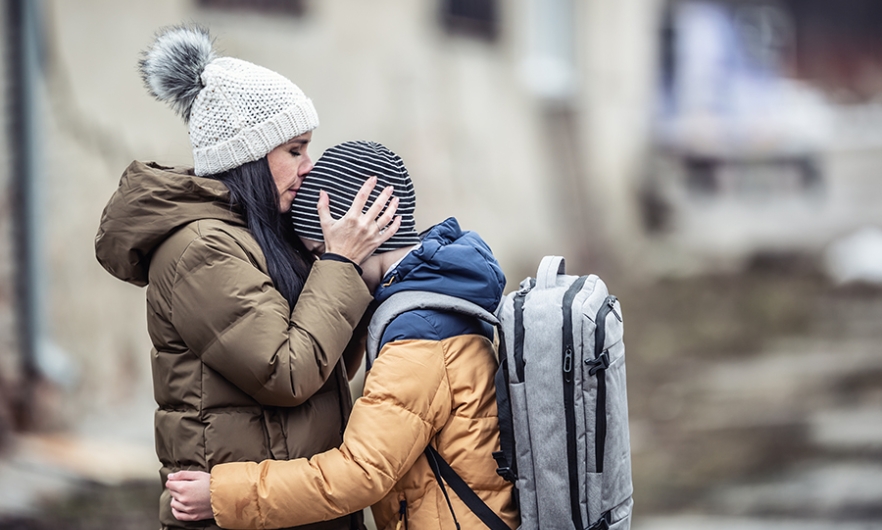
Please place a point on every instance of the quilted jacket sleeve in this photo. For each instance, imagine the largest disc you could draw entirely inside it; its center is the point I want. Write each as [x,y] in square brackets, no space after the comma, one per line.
[407,400]
[230,315]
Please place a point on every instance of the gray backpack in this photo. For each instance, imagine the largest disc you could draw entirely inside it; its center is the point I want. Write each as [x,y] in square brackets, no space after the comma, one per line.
[561,396]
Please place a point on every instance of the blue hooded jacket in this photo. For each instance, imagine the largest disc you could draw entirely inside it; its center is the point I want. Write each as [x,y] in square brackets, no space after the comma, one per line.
[449,261]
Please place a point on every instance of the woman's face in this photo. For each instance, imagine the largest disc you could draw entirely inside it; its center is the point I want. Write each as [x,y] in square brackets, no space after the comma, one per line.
[289,163]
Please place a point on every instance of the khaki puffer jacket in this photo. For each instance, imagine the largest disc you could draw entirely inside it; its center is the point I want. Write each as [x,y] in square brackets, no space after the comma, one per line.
[237,374]
[432,383]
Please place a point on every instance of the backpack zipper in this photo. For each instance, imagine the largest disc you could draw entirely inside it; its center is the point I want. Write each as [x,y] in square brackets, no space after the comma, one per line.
[598,368]
[519,334]
[569,399]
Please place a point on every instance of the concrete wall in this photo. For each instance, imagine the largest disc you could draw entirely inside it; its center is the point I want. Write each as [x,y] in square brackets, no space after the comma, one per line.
[618,45]
[9,359]
[475,140]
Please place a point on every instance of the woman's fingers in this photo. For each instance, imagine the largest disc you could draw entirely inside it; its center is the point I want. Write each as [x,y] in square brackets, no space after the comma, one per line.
[388,214]
[323,207]
[362,196]
[357,235]
[378,205]
[357,206]
[390,230]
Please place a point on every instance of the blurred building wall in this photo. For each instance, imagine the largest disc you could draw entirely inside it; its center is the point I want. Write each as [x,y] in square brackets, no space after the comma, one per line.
[9,357]
[766,134]
[541,130]
[533,174]
[618,47]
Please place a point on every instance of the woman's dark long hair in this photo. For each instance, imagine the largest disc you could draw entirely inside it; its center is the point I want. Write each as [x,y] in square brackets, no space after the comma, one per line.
[253,192]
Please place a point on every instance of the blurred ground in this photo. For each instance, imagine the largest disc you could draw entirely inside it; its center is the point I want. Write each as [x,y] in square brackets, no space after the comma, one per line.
[757,400]
[128,506]
[756,403]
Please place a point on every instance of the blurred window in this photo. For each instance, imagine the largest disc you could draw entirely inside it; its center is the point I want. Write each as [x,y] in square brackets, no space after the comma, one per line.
[286,7]
[476,18]
[840,47]
[835,45]
[549,65]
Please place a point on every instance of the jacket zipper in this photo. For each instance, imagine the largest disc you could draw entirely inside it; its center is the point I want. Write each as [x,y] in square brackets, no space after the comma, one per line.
[402,516]
[343,395]
[569,399]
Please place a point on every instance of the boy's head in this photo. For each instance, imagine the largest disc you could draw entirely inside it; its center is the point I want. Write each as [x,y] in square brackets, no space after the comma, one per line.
[341,171]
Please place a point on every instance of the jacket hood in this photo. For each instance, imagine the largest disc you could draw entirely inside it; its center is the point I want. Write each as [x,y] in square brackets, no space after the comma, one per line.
[449,261]
[153,201]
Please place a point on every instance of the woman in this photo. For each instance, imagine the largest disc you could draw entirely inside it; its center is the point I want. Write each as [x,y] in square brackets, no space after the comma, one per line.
[248,333]
[431,385]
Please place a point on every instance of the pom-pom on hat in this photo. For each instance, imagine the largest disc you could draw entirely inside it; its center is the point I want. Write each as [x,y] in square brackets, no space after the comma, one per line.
[341,171]
[237,111]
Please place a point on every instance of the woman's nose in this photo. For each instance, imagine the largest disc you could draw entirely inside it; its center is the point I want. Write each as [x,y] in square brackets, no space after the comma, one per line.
[306,167]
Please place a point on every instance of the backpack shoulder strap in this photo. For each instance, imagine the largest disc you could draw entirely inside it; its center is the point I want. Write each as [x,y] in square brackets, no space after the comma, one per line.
[444,473]
[405,301]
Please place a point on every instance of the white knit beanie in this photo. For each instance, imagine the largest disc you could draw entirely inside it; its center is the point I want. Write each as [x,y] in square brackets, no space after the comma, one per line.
[237,111]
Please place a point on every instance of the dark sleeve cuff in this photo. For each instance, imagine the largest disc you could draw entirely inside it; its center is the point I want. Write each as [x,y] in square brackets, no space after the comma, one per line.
[338,257]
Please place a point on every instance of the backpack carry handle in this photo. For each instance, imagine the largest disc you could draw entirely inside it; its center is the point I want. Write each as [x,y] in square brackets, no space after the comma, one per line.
[549,269]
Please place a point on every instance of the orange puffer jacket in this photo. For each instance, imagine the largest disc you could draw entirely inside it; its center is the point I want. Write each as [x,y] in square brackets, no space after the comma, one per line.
[432,383]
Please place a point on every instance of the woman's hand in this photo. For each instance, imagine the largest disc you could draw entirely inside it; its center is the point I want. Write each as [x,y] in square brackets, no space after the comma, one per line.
[191,495]
[357,235]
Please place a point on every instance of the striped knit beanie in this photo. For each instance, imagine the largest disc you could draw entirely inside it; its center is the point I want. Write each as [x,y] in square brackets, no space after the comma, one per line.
[341,171]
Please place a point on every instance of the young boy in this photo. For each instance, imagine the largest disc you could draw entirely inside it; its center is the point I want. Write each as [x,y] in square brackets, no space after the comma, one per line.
[432,383]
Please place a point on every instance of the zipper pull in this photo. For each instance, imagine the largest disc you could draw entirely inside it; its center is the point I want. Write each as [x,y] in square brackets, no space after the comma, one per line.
[611,302]
[402,514]
[568,364]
